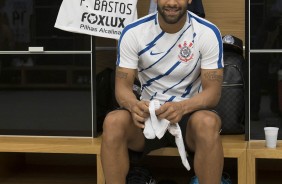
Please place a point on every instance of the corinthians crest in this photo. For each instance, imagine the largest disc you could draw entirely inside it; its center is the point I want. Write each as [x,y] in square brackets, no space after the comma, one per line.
[185,53]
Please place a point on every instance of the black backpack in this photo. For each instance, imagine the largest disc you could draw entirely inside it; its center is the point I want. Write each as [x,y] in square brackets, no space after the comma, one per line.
[105,95]
[231,106]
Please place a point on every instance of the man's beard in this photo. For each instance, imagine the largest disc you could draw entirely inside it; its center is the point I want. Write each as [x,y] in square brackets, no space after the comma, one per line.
[171,19]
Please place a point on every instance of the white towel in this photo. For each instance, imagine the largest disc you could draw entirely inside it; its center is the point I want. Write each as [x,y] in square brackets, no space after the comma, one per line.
[157,128]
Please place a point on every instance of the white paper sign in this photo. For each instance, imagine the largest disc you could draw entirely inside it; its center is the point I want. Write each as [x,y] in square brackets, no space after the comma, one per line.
[104,18]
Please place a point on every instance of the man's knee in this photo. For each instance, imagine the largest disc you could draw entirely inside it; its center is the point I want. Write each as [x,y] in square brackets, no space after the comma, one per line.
[114,125]
[206,125]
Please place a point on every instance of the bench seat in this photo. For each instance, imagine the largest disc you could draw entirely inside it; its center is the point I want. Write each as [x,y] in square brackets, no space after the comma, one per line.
[234,146]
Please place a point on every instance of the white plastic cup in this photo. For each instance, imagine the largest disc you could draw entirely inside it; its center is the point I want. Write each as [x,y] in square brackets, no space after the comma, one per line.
[271,134]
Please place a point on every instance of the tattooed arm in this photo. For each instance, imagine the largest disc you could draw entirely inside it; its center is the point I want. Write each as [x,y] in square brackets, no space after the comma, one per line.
[210,95]
[127,99]
[123,87]
[211,83]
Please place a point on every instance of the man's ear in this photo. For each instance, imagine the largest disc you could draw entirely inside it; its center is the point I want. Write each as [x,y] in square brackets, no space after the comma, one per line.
[189,1]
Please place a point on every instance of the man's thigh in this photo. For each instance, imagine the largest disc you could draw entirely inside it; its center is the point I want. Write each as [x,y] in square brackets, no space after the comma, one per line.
[134,135]
[186,126]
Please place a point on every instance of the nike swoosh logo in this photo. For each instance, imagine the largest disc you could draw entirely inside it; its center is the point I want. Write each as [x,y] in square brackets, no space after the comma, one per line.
[155,53]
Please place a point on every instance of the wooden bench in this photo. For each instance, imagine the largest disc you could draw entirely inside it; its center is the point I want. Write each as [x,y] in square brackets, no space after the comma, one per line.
[257,149]
[54,145]
[234,147]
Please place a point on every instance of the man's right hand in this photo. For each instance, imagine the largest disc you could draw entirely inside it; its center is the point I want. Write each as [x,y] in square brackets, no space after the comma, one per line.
[140,112]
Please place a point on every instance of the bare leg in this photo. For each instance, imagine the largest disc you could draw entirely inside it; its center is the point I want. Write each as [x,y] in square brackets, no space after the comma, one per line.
[119,134]
[202,136]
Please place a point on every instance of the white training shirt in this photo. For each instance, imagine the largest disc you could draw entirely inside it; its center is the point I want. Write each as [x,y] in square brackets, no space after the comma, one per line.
[169,64]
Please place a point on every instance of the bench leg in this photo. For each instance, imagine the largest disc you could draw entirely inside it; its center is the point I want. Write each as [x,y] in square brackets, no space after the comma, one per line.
[251,169]
[100,173]
[242,168]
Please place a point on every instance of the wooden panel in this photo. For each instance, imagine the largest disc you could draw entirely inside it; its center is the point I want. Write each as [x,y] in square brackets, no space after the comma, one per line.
[143,7]
[100,172]
[258,150]
[228,15]
[233,138]
[50,145]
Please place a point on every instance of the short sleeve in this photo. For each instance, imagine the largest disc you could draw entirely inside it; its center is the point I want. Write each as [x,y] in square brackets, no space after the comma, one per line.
[211,49]
[127,55]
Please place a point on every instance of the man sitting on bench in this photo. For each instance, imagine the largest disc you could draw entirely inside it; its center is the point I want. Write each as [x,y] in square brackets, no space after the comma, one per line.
[178,58]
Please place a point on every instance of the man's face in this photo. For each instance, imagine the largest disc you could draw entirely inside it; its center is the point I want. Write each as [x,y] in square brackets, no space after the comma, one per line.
[172,10]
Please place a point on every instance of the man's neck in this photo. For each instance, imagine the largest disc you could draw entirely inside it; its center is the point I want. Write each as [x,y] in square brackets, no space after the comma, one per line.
[172,28]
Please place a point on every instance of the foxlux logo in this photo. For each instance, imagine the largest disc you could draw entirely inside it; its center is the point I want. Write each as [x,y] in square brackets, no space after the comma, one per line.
[102,20]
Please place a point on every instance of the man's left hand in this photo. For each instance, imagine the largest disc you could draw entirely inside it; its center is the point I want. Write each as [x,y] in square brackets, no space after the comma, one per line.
[172,111]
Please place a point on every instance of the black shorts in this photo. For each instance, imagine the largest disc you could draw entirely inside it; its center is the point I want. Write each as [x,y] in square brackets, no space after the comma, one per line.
[168,140]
